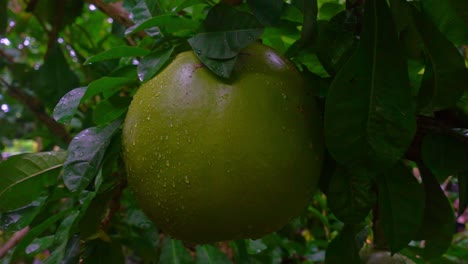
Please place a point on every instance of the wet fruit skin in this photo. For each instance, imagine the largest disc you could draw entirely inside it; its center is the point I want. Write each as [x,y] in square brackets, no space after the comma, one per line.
[211,159]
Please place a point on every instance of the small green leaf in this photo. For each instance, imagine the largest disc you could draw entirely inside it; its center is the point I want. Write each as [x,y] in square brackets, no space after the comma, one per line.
[401,206]
[208,254]
[66,107]
[19,218]
[445,76]
[152,63]
[173,251]
[26,176]
[107,86]
[61,238]
[343,248]
[329,10]
[439,219]
[444,155]
[350,197]
[86,152]
[372,91]
[223,44]
[117,53]
[267,12]
[39,244]
[170,23]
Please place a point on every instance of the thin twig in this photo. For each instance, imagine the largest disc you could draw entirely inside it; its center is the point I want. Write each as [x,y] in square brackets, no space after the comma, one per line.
[13,241]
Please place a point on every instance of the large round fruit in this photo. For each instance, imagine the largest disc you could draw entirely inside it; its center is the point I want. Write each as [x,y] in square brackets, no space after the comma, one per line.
[212,159]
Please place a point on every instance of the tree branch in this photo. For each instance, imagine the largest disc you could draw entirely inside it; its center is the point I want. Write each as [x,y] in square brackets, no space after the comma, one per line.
[38,109]
[13,241]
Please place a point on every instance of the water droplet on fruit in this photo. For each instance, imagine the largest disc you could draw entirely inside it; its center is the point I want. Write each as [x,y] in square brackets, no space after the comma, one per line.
[148,117]
[284,96]
[167,163]
[187,181]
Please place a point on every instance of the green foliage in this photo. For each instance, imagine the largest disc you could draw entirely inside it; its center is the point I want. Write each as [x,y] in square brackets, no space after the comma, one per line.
[390,77]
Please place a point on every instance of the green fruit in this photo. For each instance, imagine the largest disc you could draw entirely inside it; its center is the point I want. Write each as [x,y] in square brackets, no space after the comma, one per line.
[211,159]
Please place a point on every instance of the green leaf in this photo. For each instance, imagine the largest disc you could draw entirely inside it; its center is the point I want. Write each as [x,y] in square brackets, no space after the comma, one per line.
[350,197]
[220,67]
[173,251]
[444,155]
[26,176]
[117,53]
[445,76]
[255,246]
[72,251]
[343,248]
[67,106]
[54,78]
[109,110]
[152,63]
[439,219]
[401,206]
[98,251]
[107,86]
[92,216]
[268,12]
[224,44]
[21,247]
[329,10]
[61,238]
[222,17]
[18,219]
[208,254]
[39,244]
[172,24]
[450,16]
[369,112]
[85,155]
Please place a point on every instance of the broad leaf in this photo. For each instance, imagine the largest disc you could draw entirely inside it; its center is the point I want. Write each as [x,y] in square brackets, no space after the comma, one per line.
[450,16]
[66,107]
[444,155]
[85,155]
[439,219]
[152,63]
[39,244]
[19,218]
[54,78]
[110,109]
[350,197]
[107,86]
[445,76]
[61,238]
[401,206]
[211,255]
[225,18]
[173,251]
[117,53]
[267,12]
[25,177]
[344,248]
[220,67]
[369,113]
[170,23]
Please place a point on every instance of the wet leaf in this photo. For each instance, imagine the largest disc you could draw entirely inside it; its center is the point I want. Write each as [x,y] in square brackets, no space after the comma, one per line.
[117,53]
[61,238]
[67,106]
[222,68]
[170,23]
[26,176]
[152,63]
[268,12]
[20,218]
[107,86]
[369,111]
[86,152]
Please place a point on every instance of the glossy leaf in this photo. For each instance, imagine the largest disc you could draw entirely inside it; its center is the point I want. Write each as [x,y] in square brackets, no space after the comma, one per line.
[143,11]
[107,86]
[343,248]
[173,251]
[26,176]
[369,113]
[445,77]
[171,23]
[267,12]
[111,109]
[36,231]
[350,197]
[85,155]
[450,16]
[68,105]
[39,244]
[18,219]
[72,251]
[54,78]
[223,17]
[211,255]
[152,63]
[220,67]
[439,218]
[117,53]
[61,238]
[444,155]
[401,206]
